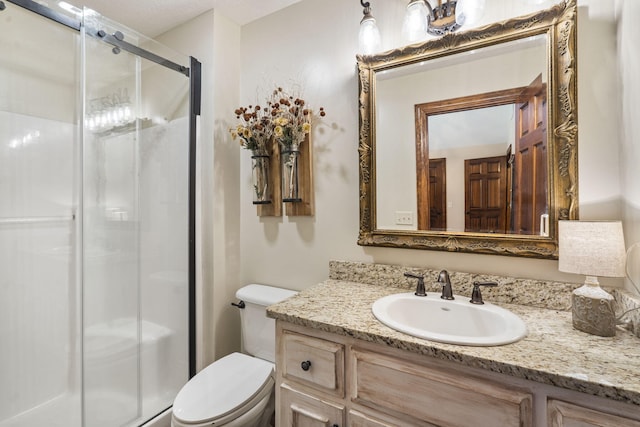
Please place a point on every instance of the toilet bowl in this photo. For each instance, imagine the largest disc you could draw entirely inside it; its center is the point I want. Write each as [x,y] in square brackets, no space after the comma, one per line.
[238,389]
[234,391]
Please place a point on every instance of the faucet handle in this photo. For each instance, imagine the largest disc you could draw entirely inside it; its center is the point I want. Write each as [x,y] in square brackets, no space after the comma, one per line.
[420,288]
[476,295]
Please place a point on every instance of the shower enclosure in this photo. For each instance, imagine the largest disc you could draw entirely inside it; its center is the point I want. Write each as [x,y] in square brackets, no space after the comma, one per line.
[97,167]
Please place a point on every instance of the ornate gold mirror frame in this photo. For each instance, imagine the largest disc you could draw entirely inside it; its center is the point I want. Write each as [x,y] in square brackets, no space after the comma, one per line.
[559,25]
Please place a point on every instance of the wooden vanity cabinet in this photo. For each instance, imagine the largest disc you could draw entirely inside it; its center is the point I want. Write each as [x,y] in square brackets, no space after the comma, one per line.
[406,386]
[331,380]
[328,380]
[564,414]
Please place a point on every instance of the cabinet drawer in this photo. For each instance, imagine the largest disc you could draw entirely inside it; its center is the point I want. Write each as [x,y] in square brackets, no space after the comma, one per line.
[406,389]
[563,414]
[358,419]
[313,361]
[298,409]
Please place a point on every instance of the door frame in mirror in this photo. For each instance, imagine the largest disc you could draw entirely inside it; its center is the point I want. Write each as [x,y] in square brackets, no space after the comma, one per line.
[509,96]
[558,23]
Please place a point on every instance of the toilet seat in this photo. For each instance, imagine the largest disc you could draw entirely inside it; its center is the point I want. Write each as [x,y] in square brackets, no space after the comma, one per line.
[224,390]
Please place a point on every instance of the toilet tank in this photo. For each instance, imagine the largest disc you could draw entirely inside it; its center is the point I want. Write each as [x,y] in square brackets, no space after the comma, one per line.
[259,331]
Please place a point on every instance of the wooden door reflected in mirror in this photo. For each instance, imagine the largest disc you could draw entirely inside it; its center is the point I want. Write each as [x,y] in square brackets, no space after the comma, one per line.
[503,193]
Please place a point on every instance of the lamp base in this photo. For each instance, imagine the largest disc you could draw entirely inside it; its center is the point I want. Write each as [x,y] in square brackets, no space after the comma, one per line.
[593,309]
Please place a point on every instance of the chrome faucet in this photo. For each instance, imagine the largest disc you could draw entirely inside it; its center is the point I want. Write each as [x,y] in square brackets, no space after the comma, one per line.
[443,279]
[420,288]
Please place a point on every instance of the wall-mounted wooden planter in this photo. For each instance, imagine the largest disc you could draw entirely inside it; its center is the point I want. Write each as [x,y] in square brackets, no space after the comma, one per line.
[275,207]
[305,181]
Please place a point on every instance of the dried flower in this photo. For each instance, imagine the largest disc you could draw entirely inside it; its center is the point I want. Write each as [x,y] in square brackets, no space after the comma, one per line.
[292,122]
[255,129]
[285,117]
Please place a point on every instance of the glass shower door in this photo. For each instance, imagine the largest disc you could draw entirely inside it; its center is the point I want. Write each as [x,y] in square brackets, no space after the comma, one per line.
[39,291]
[94,222]
[135,228]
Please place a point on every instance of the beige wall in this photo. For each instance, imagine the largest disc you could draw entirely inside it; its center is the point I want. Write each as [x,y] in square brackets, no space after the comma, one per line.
[315,43]
[629,70]
[214,41]
[225,198]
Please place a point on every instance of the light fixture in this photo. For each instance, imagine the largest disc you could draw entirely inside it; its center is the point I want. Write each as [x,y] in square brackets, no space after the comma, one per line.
[592,248]
[422,19]
[369,36]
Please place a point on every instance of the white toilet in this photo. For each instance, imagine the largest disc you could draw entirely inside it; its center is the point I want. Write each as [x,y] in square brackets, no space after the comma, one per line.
[237,390]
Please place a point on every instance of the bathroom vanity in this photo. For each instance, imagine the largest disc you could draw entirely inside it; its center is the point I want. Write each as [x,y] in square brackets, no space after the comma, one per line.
[338,366]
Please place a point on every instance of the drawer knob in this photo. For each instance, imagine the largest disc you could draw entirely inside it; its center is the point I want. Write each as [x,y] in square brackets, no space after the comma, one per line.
[305,365]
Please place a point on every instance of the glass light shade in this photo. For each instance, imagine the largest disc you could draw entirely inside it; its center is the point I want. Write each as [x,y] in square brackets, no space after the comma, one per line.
[416,21]
[369,37]
[469,12]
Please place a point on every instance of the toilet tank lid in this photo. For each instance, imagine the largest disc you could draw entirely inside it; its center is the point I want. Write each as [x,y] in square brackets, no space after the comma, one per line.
[263,294]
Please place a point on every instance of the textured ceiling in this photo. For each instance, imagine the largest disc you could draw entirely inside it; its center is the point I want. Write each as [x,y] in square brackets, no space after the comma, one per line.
[154,17]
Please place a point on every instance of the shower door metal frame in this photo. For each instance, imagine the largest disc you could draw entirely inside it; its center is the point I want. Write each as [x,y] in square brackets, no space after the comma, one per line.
[194,73]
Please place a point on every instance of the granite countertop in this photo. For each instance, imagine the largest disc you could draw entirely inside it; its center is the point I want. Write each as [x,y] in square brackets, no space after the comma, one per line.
[553,352]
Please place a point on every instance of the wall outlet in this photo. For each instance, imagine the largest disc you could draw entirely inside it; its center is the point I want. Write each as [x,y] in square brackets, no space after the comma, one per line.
[404,218]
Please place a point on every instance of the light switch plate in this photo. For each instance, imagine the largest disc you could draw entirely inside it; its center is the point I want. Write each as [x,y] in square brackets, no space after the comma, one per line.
[404,218]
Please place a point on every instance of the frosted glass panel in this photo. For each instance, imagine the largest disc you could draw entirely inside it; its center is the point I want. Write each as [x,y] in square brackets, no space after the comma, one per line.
[40,352]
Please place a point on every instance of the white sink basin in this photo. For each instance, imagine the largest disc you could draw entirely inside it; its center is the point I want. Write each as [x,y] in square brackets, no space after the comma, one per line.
[452,322]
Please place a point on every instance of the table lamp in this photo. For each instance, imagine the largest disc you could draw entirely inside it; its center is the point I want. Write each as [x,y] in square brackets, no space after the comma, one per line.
[592,248]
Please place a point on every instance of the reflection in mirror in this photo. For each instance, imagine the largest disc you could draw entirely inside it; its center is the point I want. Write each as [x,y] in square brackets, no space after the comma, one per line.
[502,167]
[454,139]
[469,142]
[490,85]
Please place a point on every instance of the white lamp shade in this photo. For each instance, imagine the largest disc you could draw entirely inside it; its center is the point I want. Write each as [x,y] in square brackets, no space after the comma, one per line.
[369,36]
[416,22]
[592,248]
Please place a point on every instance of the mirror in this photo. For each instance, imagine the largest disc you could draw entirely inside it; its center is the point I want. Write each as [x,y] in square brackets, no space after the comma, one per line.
[469,142]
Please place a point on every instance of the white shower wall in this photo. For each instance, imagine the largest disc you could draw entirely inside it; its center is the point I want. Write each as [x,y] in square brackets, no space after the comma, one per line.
[136,287]
[37,320]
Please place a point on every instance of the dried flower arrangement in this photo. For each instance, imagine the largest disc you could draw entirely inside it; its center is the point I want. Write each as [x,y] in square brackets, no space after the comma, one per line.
[285,117]
[291,119]
[254,130]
